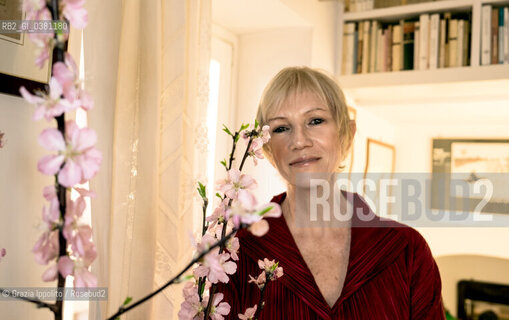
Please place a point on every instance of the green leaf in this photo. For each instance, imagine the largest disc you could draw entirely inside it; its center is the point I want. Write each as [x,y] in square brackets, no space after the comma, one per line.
[202,190]
[256,124]
[127,301]
[264,211]
[225,129]
[223,162]
[219,196]
[236,138]
[244,126]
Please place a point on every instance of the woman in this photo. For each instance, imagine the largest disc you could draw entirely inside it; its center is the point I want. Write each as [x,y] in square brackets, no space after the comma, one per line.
[333,268]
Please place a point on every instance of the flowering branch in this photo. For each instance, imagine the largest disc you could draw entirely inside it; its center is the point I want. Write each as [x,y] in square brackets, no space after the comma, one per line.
[175,279]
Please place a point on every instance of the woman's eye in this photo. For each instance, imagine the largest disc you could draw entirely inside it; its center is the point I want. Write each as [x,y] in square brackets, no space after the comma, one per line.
[279,129]
[316,121]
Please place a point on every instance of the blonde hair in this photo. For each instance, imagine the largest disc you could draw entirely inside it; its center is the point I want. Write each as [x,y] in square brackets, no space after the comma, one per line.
[297,80]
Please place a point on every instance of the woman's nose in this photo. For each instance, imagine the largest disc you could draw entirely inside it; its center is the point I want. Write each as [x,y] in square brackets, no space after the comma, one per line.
[300,138]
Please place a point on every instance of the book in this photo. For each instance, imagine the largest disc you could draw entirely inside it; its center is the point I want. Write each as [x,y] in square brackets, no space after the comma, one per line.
[416,45]
[365,47]
[486,35]
[466,44]
[397,37]
[501,35]
[453,42]
[423,41]
[506,35]
[355,40]
[441,45]
[373,45]
[461,36]
[380,41]
[348,47]
[447,18]
[434,37]
[494,36]
[360,46]
[388,49]
[408,45]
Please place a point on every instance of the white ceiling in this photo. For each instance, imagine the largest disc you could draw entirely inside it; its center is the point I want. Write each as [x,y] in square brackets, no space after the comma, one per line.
[245,16]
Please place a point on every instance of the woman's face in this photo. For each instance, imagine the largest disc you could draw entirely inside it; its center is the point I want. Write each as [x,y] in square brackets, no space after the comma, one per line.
[304,138]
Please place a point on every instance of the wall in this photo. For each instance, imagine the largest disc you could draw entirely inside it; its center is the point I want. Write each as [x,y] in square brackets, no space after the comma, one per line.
[21,204]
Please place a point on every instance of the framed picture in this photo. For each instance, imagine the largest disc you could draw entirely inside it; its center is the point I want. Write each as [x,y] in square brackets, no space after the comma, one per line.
[348,162]
[17,65]
[470,175]
[380,164]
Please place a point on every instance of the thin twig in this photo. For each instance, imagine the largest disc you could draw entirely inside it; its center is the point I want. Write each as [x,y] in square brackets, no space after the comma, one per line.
[123,310]
[39,303]
[261,304]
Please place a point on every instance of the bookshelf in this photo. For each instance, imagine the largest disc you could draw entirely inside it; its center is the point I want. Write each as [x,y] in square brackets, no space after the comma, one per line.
[472,71]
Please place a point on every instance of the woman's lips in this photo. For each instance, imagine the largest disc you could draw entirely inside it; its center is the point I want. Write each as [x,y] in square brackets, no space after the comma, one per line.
[303,162]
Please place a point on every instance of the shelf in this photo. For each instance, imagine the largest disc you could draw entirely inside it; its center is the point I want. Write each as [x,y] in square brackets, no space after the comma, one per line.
[410,11]
[410,77]
[495,2]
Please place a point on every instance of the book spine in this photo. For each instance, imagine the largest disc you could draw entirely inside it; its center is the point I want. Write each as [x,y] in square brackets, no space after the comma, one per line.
[388,49]
[396,48]
[355,54]
[360,37]
[417,36]
[372,47]
[365,47]
[453,42]
[486,35]
[433,40]
[500,35]
[348,53]
[466,44]
[441,51]
[379,50]
[408,45]
[494,36]
[461,35]
[424,41]
[506,35]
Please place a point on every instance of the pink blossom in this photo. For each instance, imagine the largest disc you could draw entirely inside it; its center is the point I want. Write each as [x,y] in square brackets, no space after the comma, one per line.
[83,278]
[260,281]
[233,247]
[1,139]
[81,158]
[3,252]
[218,310]
[218,215]
[33,8]
[249,314]
[265,135]
[36,10]
[50,274]
[47,105]
[67,75]
[236,182]
[75,13]
[246,210]
[191,308]
[65,266]
[216,267]
[272,268]
[51,214]
[46,248]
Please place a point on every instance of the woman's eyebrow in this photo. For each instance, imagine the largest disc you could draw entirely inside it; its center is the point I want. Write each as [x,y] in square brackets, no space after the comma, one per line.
[309,111]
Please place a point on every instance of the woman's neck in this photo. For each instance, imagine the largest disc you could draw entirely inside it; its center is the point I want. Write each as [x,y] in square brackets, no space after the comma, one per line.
[319,207]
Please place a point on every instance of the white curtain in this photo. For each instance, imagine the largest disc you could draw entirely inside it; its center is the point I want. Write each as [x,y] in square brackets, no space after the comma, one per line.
[147,67]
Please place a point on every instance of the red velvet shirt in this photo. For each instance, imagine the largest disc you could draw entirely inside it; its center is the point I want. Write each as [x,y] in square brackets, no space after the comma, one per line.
[391,275]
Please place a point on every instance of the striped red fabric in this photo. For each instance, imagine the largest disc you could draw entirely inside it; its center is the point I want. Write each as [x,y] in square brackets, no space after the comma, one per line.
[391,275]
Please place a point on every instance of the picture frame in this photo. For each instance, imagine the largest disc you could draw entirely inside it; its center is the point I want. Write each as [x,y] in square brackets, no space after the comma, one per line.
[380,164]
[459,164]
[17,66]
